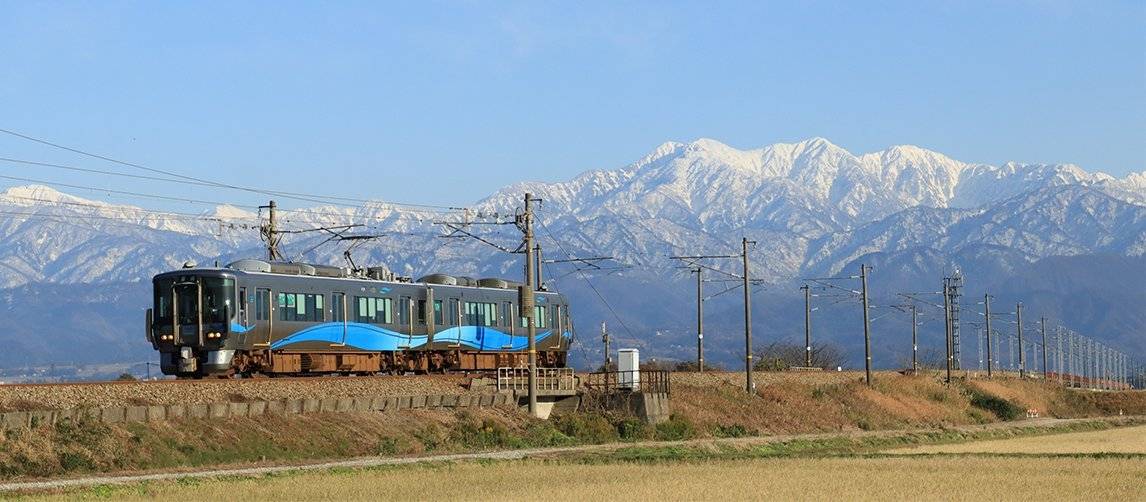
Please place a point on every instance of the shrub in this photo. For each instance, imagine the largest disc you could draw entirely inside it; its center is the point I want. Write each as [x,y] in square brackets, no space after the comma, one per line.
[730,431]
[586,428]
[431,436]
[1000,407]
[675,428]
[632,429]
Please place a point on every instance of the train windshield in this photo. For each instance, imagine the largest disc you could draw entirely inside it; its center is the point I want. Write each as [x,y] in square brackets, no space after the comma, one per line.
[183,296]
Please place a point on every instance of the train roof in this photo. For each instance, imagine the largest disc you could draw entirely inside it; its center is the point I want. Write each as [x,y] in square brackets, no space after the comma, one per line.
[380,274]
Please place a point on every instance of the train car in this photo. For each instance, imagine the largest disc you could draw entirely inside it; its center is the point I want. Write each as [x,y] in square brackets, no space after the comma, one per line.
[256,317]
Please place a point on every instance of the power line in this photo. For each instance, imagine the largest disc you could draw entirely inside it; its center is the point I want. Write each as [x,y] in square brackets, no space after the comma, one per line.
[291,195]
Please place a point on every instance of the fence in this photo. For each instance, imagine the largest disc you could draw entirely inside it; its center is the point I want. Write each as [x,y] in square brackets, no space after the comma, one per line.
[548,379]
[610,382]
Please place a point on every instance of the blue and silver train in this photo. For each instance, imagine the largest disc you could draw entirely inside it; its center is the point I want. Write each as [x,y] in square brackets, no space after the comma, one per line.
[258,317]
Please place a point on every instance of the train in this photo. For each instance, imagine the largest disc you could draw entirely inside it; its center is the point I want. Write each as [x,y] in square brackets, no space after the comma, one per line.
[256,317]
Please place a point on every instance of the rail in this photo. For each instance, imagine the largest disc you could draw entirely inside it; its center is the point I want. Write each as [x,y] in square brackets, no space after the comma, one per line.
[611,382]
[548,379]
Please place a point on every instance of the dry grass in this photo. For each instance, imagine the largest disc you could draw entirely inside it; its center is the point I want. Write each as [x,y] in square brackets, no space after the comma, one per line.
[1120,440]
[900,478]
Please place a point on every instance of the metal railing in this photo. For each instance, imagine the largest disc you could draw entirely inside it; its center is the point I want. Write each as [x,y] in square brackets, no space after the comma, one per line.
[629,381]
[548,379]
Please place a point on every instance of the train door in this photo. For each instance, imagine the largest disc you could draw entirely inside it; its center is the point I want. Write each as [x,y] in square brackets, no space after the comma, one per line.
[454,307]
[261,334]
[338,313]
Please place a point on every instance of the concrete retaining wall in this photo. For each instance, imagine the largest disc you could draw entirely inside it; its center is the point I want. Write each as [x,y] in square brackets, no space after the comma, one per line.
[118,414]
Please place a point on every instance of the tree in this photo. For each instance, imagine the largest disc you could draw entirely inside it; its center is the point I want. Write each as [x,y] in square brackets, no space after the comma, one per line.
[779,356]
[126,377]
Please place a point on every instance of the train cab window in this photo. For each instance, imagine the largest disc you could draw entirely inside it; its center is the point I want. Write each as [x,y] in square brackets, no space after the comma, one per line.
[301,307]
[338,307]
[374,310]
[263,305]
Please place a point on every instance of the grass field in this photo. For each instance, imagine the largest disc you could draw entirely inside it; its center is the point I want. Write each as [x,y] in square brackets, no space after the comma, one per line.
[1069,466]
[1120,440]
[943,477]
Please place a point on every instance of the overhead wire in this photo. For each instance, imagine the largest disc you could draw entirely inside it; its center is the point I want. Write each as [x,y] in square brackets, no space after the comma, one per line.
[278,193]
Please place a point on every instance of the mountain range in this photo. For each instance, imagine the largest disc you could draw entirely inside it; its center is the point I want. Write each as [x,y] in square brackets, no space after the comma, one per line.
[813,209]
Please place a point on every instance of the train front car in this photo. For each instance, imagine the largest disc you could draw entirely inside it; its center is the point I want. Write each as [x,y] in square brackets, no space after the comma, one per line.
[191,319]
[297,319]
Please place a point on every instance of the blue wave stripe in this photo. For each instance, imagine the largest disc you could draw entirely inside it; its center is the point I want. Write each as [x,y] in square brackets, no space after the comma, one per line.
[374,338]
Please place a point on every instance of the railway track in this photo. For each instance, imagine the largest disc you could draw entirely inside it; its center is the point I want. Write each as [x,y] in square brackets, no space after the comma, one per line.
[62,395]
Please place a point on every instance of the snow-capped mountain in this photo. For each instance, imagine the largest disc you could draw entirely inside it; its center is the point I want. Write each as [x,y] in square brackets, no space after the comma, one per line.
[813,208]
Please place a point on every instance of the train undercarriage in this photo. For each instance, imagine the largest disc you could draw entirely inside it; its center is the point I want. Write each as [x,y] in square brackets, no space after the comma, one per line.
[274,363]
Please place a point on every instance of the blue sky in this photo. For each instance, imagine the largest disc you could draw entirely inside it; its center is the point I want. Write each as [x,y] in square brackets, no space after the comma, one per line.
[444,102]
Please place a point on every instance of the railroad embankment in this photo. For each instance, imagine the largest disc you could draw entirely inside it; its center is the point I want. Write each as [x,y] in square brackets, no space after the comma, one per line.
[708,405]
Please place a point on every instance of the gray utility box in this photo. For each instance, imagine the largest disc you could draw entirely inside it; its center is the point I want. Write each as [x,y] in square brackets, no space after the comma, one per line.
[629,369]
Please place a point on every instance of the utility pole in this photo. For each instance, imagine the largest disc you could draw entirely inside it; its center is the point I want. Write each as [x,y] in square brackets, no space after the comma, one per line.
[605,340]
[947,326]
[527,302]
[271,234]
[748,385]
[866,324]
[1043,328]
[914,340]
[699,319]
[1022,356]
[807,326]
[987,316]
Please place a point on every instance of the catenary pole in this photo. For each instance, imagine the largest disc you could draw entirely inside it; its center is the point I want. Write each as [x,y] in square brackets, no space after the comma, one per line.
[1043,329]
[531,315]
[699,319]
[807,326]
[748,385]
[866,325]
[914,338]
[947,327]
[987,316]
[1022,358]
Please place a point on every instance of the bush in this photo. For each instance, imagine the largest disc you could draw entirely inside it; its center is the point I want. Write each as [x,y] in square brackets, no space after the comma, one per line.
[586,428]
[126,377]
[431,436]
[676,428]
[1000,407]
[473,434]
[730,431]
[632,429]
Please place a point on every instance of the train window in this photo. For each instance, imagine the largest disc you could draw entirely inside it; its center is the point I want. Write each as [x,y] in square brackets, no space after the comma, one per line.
[453,311]
[437,312]
[300,307]
[506,314]
[263,305]
[539,314]
[374,310]
[422,311]
[338,307]
[481,314]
